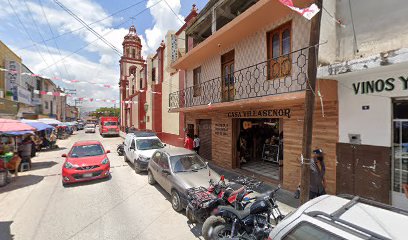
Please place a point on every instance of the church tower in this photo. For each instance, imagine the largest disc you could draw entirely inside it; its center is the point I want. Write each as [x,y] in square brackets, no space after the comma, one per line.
[132,79]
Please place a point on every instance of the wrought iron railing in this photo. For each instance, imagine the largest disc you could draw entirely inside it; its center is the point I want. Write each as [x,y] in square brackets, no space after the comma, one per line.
[283,74]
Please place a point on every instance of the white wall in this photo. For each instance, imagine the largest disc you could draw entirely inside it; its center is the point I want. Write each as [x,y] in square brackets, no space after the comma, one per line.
[375,124]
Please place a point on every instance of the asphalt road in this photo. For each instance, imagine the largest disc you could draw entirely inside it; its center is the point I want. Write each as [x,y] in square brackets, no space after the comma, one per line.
[35,205]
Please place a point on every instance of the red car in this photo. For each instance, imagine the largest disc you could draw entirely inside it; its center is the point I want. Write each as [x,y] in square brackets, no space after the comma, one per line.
[87,160]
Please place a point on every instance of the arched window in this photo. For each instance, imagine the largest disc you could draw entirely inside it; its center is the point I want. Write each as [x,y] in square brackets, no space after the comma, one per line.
[132,71]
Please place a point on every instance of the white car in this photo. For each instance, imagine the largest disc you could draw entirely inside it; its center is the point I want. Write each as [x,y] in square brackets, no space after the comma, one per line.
[90,128]
[347,217]
[139,148]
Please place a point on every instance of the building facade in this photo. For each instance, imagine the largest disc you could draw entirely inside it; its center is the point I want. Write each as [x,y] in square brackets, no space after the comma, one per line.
[370,65]
[246,76]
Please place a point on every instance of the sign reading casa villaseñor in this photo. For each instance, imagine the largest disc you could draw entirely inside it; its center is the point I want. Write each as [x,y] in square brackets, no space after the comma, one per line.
[380,85]
[260,113]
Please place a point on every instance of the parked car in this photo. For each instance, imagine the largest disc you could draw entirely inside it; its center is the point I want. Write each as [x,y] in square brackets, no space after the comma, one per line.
[90,128]
[109,126]
[87,160]
[139,148]
[178,169]
[347,217]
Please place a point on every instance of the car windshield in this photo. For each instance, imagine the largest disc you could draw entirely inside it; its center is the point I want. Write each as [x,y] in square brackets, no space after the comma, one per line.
[110,124]
[187,163]
[86,151]
[146,144]
[90,125]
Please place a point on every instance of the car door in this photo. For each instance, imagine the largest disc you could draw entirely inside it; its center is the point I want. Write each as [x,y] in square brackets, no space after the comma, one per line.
[132,150]
[166,176]
[156,168]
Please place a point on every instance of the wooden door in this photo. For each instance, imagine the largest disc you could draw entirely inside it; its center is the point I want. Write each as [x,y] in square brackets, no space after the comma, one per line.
[228,80]
[205,135]
[364,170]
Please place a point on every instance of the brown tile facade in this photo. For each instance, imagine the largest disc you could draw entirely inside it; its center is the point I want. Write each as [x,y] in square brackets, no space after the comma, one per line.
[325,134]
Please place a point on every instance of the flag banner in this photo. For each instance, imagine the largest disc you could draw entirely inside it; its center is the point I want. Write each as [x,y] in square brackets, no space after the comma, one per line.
[307,13]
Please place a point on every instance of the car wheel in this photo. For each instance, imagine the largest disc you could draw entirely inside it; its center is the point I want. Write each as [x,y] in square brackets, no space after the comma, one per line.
[209,224]
[150,178]
[175,201]
[126,159]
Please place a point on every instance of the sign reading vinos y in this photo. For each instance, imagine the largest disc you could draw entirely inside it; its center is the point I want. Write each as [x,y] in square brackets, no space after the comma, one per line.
[379,85]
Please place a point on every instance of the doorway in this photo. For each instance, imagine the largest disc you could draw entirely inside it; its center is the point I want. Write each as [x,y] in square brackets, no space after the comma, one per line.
[400,155]
[227,66]
[205,135]
[260,146]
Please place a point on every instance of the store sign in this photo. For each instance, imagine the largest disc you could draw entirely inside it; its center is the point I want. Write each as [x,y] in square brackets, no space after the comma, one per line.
[12,77]
[36,101]
[23,96]
[283,112]
[380,85]
[221,129]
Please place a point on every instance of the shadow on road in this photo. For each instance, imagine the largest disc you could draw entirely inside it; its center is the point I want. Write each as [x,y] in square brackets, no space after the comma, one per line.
[53,150]
[40,165]
[5,233]
[20,182]
[90,182]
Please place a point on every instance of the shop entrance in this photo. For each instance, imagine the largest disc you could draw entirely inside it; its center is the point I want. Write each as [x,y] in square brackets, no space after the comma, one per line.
[204,132]
[400,155]
[260,146]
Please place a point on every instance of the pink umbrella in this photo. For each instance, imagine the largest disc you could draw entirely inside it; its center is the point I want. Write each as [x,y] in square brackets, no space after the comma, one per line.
[9,125]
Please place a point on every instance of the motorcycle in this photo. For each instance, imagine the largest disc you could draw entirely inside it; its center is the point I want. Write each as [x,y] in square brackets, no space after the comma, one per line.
[253,222]
[120,149]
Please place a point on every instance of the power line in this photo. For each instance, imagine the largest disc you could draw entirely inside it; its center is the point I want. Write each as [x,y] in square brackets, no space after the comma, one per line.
[89,28]
[182,22]
[52,33]
[75,30]
[39,32]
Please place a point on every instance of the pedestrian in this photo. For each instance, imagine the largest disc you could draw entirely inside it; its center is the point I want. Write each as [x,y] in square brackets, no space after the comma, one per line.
[196,144]
[188,143]
[317,174]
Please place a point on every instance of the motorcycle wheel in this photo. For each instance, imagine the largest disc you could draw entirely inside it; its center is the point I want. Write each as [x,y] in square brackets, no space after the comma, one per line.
[221,231]
[209,224]
[189,215]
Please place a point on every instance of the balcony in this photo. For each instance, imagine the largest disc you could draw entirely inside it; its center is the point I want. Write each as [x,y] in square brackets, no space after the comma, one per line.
[284,74]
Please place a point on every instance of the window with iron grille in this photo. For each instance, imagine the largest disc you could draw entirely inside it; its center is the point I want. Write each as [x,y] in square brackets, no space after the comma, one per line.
[197,82]
[279,45]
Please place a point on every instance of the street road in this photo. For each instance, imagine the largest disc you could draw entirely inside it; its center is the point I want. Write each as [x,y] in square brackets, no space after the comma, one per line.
[36,205]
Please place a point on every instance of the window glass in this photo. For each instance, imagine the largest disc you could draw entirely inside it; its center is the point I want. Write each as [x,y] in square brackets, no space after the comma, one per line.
[146,144]
[307,231]
[187,163]
[87,151]
[275,46]
[226,74]
[133,144]
[110,123]
[163,162]
[156,157]
[232,73]
[286,42]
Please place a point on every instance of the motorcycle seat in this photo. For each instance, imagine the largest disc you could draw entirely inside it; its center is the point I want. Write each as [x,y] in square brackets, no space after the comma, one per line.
[241,214]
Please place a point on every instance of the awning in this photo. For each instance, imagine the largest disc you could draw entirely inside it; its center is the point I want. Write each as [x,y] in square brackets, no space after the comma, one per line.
[19,133]
[49,121]
[40,126]
[9,125]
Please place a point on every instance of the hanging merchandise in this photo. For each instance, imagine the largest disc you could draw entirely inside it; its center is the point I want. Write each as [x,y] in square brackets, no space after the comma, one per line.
[308,12]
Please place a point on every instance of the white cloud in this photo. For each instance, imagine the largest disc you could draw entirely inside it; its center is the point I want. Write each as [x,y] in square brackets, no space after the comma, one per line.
[164,20]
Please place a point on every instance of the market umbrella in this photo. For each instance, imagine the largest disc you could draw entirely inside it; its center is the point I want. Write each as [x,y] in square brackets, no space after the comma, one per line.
[40,126]
[49,121]
[9,125]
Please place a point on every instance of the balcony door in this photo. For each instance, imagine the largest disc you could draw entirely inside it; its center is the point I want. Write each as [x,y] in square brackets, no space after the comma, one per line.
[227,66]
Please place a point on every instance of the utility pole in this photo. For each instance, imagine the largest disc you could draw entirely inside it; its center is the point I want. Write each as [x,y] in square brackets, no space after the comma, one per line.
[309,103]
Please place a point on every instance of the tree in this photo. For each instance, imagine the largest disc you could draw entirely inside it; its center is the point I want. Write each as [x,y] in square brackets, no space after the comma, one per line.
[106,112]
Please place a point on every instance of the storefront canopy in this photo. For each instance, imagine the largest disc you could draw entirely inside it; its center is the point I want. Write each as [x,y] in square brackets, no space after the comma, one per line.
[40,126]
[8,126]
[19,133]
[49,121]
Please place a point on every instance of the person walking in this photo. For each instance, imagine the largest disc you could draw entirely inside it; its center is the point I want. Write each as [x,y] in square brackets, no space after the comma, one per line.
[317,175]
[188,143]
[196,144]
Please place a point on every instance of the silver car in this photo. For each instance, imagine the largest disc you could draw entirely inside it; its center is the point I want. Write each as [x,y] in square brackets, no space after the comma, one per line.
[178,169]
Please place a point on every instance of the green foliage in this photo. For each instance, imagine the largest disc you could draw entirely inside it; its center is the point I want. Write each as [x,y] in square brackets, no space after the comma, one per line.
[106,112]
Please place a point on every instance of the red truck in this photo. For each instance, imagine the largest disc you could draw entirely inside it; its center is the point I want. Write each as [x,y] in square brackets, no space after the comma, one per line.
[109,126]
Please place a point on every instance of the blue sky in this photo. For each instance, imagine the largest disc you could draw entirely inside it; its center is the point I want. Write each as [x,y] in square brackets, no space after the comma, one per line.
[96,62]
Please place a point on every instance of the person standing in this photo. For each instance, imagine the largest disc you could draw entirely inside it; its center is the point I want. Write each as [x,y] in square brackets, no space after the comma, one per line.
[196,144]
[188,143]
[317,175]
